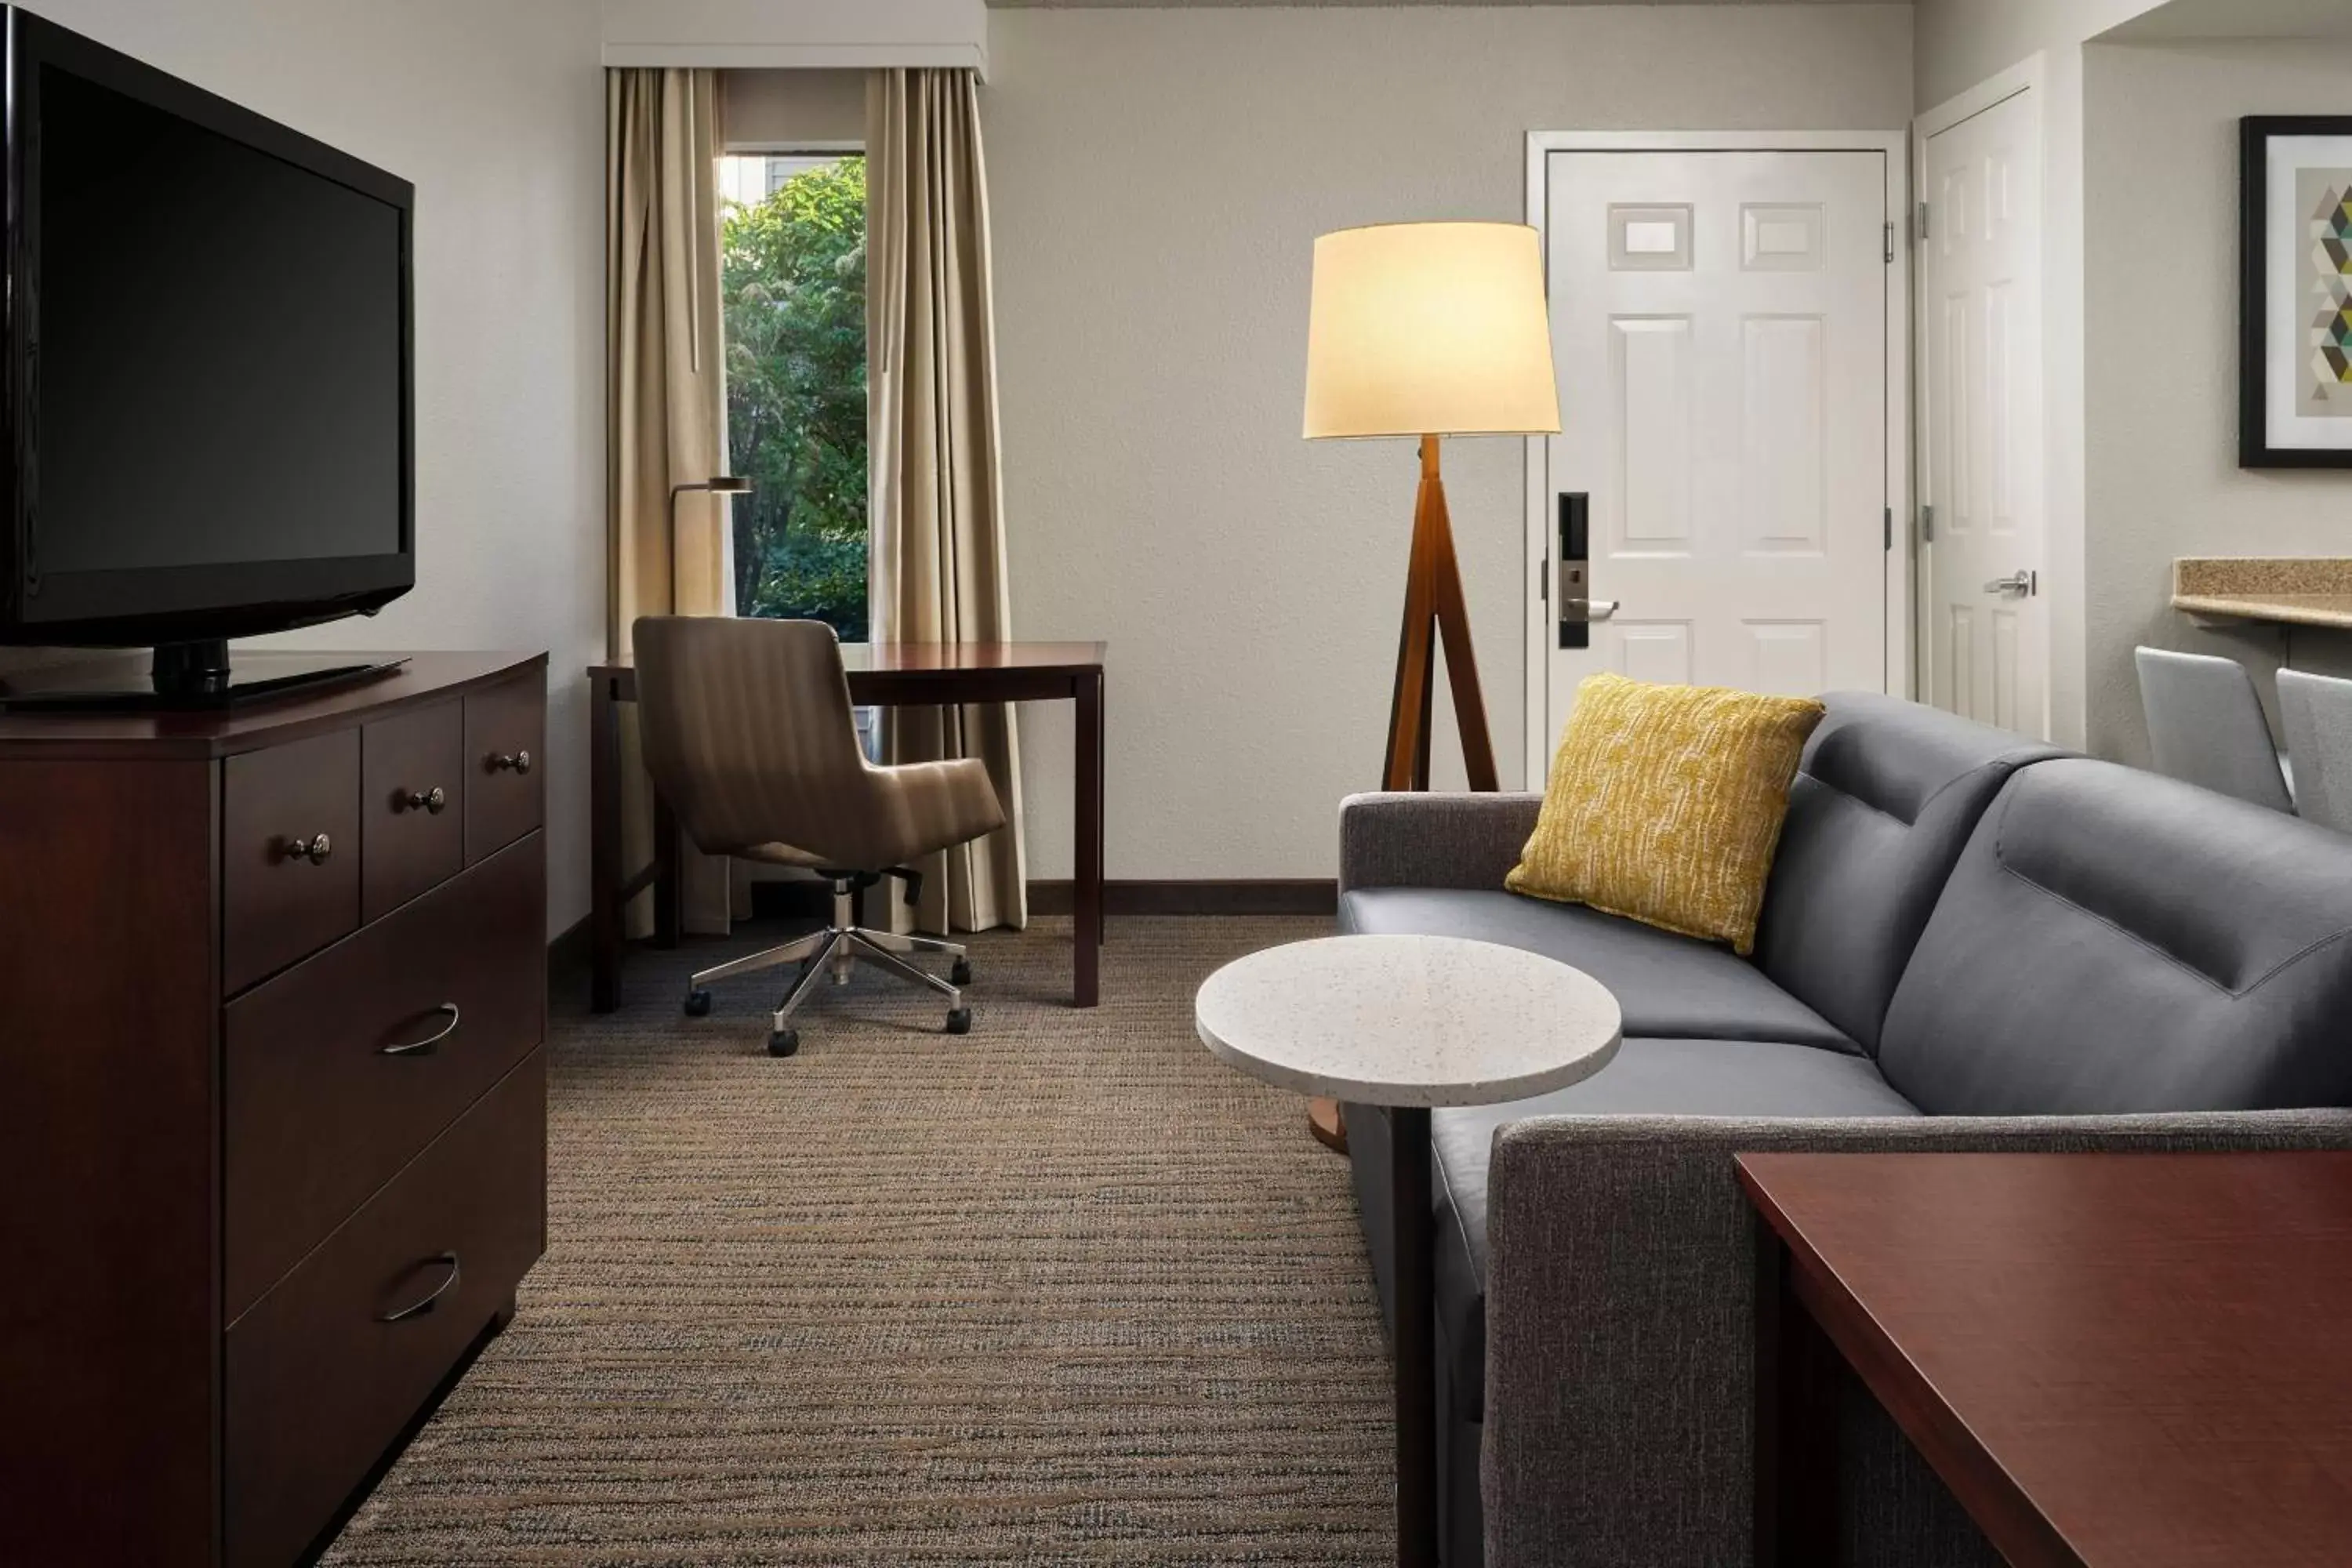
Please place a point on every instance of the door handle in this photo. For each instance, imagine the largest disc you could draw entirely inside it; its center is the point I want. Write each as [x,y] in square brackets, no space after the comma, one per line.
[1577,611]
[2017,585]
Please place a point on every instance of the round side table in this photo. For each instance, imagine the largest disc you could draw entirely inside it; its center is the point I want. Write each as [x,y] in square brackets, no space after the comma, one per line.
[1409,1023]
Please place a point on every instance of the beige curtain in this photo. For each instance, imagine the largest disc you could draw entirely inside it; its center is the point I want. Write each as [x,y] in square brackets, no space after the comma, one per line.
[666,403]
[938,501]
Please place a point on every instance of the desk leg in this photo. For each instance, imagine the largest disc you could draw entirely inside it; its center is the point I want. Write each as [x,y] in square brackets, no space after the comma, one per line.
[1087,905]
[1798,1381]
[1416,1338]
[668,897]
[604,848]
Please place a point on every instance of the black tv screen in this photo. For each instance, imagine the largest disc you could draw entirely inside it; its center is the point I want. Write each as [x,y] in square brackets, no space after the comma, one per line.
[210,404]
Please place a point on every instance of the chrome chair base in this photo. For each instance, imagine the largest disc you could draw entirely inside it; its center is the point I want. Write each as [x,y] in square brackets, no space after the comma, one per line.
[837,950]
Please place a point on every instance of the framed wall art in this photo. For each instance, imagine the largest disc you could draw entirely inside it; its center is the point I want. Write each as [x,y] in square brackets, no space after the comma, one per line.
[2295,354]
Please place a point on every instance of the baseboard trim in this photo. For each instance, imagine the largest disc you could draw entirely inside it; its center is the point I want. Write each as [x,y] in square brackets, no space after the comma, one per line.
[1253,895]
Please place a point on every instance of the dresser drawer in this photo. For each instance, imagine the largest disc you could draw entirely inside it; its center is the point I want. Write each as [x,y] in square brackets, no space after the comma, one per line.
[338,1071]
[506,744]
[289,854]
[324,1371]
[412,805]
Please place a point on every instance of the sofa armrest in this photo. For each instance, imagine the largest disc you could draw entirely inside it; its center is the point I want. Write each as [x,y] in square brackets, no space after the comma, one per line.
[1414,839]
[1620,1316]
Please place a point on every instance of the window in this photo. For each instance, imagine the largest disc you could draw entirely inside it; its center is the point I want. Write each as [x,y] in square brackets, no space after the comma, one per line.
[792,260]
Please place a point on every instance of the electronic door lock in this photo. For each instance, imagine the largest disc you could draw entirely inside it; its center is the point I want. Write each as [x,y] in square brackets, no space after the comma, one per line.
[1577,610]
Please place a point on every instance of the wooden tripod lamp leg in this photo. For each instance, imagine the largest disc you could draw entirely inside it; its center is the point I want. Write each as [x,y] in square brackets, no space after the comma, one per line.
[1435,609]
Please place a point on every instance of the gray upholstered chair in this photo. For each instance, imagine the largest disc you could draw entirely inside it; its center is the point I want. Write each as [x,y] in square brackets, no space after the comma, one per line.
[2205,726]
[2315,712]
[749,737]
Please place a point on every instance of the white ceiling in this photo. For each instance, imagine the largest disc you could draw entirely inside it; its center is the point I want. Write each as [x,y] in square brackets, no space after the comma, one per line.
[1212,5]
[2223,19]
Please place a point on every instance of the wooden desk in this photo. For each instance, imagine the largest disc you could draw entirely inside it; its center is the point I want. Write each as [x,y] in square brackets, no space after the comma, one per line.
[2110,1359]
[881,675]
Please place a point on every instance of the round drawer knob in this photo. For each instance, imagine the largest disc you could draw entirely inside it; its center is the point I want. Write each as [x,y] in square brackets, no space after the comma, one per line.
[314,849]
[515,762]
[435,800]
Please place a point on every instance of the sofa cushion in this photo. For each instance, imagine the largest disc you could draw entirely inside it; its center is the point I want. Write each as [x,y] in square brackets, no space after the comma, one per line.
[2115,942]
[1648,1076]
[1664,985]
[1886,798]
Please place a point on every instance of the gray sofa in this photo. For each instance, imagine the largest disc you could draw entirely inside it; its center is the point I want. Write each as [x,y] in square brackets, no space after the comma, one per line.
[1967,942]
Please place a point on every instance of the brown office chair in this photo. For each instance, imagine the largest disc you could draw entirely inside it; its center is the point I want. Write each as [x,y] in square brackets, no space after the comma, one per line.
[749,736]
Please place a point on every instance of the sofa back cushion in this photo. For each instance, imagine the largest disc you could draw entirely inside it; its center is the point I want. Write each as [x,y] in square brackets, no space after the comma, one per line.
[2112,941]
[1886,796]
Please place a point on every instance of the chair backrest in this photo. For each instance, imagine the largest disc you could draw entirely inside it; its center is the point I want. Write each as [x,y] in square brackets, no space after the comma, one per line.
[1885,798]
[2112,941]
[2205,725]
[2316,711]
[748,732]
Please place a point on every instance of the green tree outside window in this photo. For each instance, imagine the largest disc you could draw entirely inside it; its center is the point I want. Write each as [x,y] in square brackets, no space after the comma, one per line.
[793,269]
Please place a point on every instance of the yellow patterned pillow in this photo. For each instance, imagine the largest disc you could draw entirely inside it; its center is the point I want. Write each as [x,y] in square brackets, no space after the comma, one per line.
[1665,805]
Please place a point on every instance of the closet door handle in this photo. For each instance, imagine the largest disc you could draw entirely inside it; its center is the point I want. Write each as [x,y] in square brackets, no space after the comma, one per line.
[427,1046]
[420,1308]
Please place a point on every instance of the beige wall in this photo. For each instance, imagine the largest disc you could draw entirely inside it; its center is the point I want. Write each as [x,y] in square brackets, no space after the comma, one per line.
[1157,179]
[2161,215]
[495,113]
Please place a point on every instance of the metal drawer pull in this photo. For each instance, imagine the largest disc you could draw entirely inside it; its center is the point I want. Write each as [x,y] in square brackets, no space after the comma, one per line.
[519,761]
[435,800]
[427,1046]
[419,1309]
[315,849]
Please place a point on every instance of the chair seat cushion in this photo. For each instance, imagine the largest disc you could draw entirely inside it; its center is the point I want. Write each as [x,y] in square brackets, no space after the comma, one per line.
[1649,1077]
[1667,985]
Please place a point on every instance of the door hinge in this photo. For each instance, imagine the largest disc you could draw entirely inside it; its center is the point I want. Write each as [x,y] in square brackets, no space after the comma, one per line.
[1923,220]
[1926,524]
[1543,581]
[1889,543]
[1890,242]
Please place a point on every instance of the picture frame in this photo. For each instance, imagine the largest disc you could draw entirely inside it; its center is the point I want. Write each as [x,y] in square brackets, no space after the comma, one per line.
[2294,298]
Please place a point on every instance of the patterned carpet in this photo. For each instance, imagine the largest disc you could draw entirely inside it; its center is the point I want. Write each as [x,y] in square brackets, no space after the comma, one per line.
[1062,1290]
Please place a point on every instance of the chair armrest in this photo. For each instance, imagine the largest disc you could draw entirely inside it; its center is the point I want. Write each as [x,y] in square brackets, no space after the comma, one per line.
[1620,1317]
[1419,840]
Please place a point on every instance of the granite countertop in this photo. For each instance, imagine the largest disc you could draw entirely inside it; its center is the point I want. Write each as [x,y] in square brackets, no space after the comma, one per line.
[2303,591]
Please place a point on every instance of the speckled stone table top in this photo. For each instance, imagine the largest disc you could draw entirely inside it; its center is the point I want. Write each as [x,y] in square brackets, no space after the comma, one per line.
[2303,591]
[1408,1020]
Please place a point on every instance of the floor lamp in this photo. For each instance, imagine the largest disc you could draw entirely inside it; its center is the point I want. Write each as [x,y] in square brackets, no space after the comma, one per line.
[1429,330]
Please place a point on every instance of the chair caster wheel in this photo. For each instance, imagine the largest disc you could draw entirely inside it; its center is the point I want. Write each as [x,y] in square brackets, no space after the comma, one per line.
[698,1003]
[961,973]
[959,1021]
[784,1043]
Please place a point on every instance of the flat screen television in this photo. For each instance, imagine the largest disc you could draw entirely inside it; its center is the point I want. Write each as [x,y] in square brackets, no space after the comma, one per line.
[209,396]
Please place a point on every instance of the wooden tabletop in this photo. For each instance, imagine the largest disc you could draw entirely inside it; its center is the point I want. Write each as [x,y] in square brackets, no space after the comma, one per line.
[264,721]
[932,657]
[2112,1359]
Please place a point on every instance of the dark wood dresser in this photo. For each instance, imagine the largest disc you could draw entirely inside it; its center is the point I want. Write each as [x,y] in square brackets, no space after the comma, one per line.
[273,995]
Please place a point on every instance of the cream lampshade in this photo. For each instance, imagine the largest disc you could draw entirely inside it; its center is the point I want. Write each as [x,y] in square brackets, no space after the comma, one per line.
[1429,329]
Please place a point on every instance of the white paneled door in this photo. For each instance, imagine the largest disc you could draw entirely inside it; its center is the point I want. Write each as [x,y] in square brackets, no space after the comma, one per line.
[1720,321]
[1983,631]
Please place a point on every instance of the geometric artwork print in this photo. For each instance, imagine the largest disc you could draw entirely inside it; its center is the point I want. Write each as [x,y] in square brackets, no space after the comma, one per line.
[2323,386]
